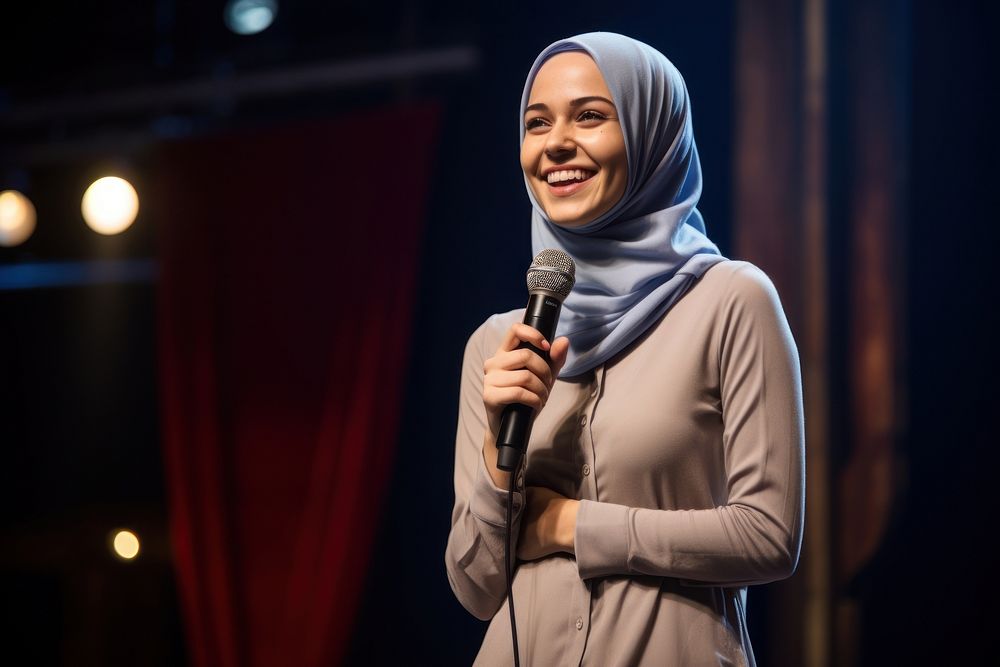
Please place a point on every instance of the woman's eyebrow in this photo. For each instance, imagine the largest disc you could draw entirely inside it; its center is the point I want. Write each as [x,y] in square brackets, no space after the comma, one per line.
[540,106]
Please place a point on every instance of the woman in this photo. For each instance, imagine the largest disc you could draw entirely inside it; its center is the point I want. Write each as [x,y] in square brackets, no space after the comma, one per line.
[665,470]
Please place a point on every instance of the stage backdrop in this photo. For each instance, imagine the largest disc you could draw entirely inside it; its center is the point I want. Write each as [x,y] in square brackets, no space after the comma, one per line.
[288,262]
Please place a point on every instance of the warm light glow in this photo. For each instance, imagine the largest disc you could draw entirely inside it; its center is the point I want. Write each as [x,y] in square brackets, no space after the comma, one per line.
[126,544]
[110,205]
[17,218]
[248,17]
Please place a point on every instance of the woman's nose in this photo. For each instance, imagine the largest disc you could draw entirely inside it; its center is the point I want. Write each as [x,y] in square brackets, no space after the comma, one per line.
[559,140]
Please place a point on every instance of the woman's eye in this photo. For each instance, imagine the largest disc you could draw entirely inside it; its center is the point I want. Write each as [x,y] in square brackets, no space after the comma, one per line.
[592,115]
[532,123]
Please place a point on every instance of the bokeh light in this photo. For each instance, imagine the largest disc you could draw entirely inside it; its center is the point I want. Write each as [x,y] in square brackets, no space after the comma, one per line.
[17,218]
[110,205]
[248,17]
[125,544]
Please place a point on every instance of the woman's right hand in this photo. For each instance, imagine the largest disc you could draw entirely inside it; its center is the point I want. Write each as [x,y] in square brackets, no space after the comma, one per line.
[515,375]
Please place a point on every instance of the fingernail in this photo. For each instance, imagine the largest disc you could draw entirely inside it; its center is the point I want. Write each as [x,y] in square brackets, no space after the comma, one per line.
[545,344]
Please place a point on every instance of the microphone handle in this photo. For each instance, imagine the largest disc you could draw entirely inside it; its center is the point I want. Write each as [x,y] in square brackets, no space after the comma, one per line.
[542,313]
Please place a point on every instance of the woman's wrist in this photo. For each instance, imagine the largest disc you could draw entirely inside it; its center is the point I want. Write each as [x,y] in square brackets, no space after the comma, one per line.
[567,525]
[500,478]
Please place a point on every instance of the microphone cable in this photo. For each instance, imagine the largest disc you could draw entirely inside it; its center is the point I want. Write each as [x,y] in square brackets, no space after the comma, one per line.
[507,568]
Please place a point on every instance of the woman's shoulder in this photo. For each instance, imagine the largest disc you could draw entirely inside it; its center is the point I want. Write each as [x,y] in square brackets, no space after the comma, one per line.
[737,274]
[738,282]
[488,335]
[743,301]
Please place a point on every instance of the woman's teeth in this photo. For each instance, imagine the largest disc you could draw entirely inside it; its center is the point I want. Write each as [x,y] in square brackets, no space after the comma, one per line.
[568,175]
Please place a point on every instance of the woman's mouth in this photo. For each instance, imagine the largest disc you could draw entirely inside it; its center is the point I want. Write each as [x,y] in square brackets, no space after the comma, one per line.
[565,182]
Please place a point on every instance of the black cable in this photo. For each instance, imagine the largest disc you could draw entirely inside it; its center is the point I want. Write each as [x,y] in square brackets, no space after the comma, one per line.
[506,565]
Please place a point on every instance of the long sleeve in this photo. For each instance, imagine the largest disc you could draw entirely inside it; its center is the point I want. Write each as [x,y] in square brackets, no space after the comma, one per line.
[755,535]
[475,553]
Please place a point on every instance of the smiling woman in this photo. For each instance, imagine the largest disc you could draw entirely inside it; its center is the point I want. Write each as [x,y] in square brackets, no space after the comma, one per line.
[664,471]
[573,152]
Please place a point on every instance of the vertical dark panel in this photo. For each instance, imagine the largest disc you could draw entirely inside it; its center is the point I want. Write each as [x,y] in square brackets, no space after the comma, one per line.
[780,207]
[866,483]
[927,595]
[767,187]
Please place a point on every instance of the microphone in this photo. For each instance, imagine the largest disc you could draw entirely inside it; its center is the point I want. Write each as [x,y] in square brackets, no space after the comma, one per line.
[550,278]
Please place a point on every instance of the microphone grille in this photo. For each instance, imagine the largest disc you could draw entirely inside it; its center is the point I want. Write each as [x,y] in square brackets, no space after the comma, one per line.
[552,271]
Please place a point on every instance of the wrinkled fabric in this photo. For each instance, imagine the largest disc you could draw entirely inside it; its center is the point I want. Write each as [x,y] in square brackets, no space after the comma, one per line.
[687,454]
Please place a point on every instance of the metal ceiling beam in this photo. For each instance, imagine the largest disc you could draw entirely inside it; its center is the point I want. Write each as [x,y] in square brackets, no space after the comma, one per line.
[279,82]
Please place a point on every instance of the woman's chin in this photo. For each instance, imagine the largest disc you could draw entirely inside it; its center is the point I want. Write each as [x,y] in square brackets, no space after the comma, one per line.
[580,209]
[567,217]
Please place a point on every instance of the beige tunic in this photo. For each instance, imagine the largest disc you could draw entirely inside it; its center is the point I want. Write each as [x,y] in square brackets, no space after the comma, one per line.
[687,453]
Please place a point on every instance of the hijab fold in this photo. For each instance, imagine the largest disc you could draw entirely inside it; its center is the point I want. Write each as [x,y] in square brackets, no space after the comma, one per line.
[635,261]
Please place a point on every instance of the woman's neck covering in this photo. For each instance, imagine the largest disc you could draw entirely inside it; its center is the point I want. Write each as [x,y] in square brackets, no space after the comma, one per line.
[635,261]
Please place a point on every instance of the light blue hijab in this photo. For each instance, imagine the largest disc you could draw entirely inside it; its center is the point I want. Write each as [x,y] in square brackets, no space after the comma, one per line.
[634,262]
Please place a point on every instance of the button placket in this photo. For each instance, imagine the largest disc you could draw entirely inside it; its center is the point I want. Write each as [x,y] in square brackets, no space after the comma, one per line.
[581,620]
[589,468]
[587,448]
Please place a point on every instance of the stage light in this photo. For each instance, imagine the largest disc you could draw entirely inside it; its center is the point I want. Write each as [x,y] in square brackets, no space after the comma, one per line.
[125,544]
[17,218]
[110,205]
[248,17]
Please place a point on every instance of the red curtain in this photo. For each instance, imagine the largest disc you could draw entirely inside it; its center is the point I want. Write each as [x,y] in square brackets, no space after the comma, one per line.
[288,263]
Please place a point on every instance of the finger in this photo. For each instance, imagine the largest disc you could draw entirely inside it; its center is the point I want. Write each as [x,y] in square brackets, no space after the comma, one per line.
[518,359]
[497,396]
[519,378]
[558,354]
[522,333]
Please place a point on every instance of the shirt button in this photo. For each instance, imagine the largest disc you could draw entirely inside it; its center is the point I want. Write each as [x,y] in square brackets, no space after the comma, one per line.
[583,420]
[586,468]
[579,623]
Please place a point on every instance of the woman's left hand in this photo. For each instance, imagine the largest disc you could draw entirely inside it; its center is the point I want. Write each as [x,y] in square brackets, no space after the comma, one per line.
[548,524]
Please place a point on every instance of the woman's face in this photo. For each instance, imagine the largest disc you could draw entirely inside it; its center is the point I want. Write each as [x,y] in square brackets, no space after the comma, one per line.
[573,151]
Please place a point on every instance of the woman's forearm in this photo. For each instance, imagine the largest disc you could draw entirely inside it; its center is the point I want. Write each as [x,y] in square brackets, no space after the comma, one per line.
[500,477]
